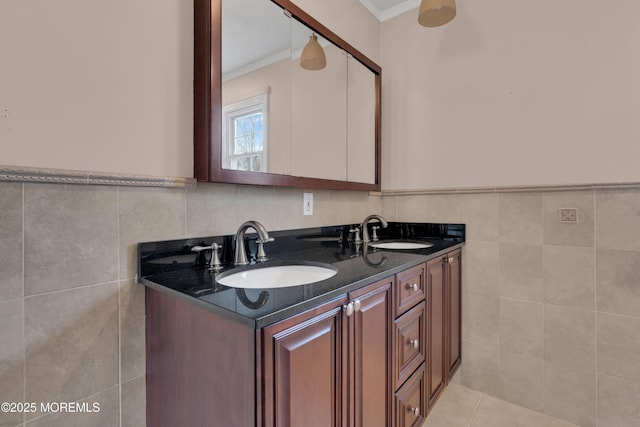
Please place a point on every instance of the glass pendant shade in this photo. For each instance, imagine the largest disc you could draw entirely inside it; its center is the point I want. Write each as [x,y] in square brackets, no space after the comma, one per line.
[434,13]
[313,57]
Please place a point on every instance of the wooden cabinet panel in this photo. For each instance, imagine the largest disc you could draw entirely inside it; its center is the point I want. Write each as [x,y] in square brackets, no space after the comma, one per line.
[410,343]
[303,369]
[411,401]
[409,289]
[454,304]
[436,297]
[371,332]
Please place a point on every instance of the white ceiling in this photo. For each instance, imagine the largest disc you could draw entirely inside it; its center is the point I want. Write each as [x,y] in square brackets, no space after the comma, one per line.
[387,9]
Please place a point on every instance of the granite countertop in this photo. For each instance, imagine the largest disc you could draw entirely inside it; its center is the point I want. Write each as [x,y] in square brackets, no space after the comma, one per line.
[171,267]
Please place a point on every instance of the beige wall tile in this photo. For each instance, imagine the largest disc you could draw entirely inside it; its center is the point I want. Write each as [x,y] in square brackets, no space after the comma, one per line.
[107,416]
[481,367]
[494,412]
[520,218]
[132,330]
[148,215]
[287,204]
[363,205]
[618,281]
[520,271]
[618,402]
[480,213]
[133,403]
[71,342]
[569,276]
[570,394]
[616,215]
[11,358]
[569,338]
[71,236]
[480,268]
[521,380]
[565,234]
[389,208]
[619,346]
[443,208]
[11,244]
[455,408]
[522,327]
[411,208]
[481,319]
[211,210]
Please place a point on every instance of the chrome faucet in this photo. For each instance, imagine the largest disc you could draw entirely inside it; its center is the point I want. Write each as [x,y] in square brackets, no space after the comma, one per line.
[365,229]
[263,237]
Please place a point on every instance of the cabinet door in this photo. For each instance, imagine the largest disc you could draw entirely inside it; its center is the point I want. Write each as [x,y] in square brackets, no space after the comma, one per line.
[370,347]
[302,365]
[454,284]
[436,313]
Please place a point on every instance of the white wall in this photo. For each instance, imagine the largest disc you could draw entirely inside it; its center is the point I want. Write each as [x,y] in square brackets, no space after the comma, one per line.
[97,85]
[512,93]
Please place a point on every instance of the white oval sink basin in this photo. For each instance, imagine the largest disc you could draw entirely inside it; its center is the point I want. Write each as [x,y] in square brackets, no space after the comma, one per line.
[280,276]
[400,245]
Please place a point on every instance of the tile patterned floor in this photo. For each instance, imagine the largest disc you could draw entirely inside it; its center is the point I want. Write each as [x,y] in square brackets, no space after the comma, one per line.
[460,406]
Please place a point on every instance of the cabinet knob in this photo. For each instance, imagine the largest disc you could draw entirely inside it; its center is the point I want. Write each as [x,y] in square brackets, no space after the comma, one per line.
[348,309]
[414,287]
[450,259]
[356,305]
[415,411]
[415,343]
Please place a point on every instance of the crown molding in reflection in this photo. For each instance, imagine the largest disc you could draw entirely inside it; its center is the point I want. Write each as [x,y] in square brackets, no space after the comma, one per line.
[63,176]
[515,189]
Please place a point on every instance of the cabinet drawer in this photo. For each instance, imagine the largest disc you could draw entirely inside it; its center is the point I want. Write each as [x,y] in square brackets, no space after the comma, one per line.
[410,345]
[410,401]
[409,289]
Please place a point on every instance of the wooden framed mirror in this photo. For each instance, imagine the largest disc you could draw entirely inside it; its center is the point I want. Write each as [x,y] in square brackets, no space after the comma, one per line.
[327,144]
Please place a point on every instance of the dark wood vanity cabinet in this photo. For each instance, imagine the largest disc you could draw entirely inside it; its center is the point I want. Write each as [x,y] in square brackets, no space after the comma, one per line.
[378,356]
[330,366]
[443,330]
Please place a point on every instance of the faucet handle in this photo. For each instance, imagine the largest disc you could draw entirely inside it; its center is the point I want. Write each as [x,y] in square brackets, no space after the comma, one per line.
[356,238]
[261,255]
[375,228]
[214,262]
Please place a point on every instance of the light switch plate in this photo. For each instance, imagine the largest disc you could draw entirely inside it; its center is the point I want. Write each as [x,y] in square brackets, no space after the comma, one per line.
[307,200]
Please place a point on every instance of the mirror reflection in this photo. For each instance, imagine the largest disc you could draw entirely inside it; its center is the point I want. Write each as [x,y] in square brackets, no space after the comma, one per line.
[292,102]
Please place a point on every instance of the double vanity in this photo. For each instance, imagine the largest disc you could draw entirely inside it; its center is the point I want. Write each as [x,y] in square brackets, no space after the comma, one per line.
[307,327]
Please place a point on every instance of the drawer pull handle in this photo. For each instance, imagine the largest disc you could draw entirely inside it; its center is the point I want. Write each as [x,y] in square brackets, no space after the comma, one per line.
[415,343]
[415,411]
[414,287]
[356,305]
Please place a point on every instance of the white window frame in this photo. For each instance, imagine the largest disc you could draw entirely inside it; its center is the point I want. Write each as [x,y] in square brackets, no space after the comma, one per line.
[257,103]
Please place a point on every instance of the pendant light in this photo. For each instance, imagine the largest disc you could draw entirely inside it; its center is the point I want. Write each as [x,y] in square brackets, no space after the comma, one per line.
[313,57]
[434,13]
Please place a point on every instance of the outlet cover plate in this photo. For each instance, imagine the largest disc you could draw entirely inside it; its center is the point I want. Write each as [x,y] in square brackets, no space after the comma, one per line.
[569,215]
[307,200]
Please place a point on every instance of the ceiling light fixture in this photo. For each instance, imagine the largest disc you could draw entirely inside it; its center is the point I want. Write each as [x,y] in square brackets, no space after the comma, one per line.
[434,13]
[313,57]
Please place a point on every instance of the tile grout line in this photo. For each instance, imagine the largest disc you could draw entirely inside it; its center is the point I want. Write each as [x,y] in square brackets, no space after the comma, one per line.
[475,410]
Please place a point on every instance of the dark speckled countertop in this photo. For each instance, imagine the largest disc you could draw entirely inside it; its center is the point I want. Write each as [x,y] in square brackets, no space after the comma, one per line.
[171,267]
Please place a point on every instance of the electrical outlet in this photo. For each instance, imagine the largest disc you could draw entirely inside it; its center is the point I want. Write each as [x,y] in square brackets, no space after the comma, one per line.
[569,215]
[307,200]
